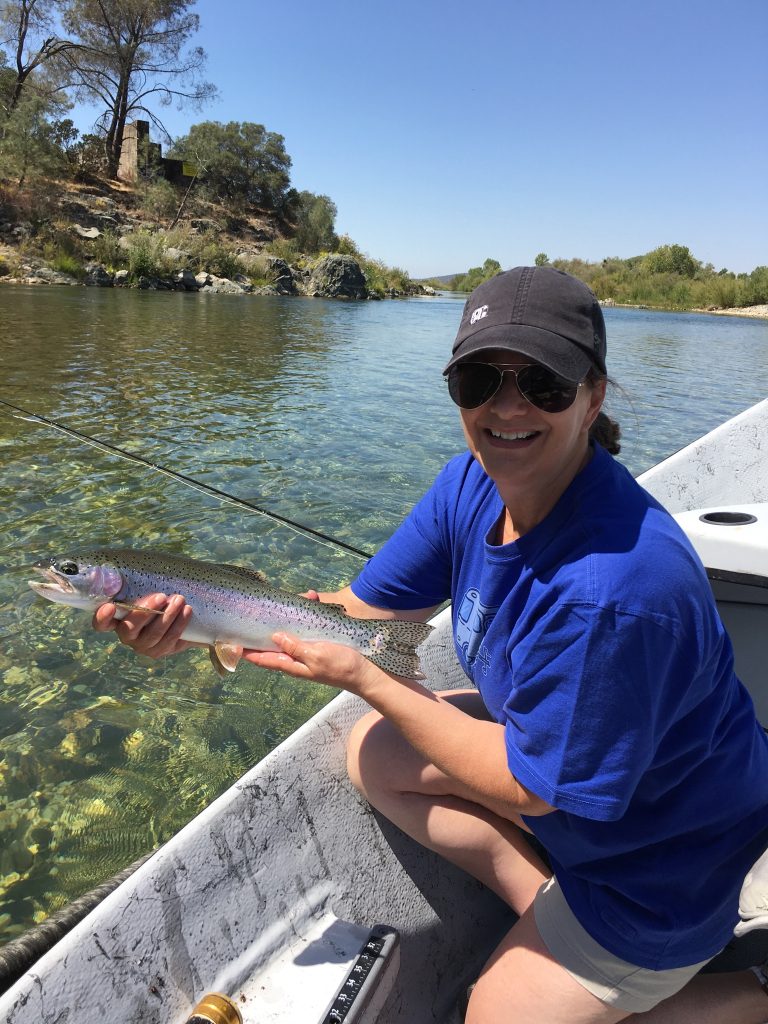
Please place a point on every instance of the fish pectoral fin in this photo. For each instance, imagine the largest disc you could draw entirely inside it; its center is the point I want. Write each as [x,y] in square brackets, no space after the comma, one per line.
[137,607]
[225,656]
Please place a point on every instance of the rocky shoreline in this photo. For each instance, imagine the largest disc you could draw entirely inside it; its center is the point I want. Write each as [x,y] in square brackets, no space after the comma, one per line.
[756,312]
[334,276]
[101,225]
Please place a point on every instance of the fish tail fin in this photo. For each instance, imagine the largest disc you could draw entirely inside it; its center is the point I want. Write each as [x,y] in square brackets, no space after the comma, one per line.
[393,648]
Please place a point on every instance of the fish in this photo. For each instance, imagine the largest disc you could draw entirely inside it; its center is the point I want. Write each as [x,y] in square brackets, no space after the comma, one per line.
[233,607]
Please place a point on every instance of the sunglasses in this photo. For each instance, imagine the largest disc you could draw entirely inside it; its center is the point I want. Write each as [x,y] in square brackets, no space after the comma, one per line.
[471,385]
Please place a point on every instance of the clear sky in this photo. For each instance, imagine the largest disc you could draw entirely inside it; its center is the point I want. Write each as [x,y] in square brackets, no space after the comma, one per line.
[447,132]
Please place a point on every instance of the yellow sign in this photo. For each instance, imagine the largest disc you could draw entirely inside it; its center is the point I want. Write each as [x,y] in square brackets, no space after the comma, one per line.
[189,170]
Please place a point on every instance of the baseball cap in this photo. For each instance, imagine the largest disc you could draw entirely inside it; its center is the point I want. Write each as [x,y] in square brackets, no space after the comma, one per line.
[544,313]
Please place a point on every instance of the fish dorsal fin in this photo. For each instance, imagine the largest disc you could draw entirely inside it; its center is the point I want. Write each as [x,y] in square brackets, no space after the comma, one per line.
[225,656]
[241,570]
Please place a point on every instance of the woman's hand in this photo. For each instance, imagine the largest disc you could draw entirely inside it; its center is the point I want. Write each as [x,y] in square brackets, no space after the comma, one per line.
[320,660]
[156,632]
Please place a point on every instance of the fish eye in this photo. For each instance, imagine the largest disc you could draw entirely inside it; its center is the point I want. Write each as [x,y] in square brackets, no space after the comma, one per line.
[68,567]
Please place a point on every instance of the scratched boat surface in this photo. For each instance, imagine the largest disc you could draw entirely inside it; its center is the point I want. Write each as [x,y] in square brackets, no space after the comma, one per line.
[272,894]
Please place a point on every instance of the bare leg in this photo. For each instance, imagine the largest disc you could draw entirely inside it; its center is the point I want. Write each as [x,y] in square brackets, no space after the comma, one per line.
[437,812]
[522,983]
[733,998]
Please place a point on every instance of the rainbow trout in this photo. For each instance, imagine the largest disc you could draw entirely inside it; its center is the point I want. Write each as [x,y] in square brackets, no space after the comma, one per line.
[233,608]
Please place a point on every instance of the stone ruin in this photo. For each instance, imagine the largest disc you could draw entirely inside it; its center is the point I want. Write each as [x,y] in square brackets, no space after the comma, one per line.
[140,158]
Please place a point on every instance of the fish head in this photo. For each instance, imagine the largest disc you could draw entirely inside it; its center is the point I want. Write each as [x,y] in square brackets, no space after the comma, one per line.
[78,581]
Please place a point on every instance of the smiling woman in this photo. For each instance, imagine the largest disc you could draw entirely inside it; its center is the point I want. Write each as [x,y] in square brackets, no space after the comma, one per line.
[569,582]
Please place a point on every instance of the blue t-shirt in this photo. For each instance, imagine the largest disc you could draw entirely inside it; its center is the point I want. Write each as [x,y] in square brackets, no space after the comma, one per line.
[594,639]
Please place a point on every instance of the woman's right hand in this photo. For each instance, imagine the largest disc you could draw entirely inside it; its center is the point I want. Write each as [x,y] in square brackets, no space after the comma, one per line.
[154,633]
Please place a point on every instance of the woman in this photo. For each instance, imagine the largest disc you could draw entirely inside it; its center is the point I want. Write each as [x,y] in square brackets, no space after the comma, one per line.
[607,719]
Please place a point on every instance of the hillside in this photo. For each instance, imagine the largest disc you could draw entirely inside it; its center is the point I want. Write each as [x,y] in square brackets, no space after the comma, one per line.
[108,233]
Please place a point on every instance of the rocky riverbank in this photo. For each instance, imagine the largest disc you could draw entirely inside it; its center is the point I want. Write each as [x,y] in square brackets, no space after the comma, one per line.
[100,235]
[757,312]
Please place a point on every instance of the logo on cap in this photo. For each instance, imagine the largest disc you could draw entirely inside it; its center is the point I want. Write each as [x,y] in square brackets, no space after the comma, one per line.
[478,314]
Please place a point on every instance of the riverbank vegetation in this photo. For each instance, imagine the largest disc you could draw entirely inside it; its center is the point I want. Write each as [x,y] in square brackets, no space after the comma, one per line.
[60,200]
[668,277]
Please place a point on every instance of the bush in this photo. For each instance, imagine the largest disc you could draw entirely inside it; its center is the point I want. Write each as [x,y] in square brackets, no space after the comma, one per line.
[68,264]
[146,255]
[106,249]
[284,248]
[158,198]
[381,280]
[258,269]
[219,260]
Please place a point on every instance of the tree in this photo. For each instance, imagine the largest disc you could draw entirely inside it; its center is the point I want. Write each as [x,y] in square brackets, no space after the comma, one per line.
[27,29]
[130,52]
[476,276]
[314,221]
[35,137]
[671,259]
[542,260]
[240,162]
[32,144]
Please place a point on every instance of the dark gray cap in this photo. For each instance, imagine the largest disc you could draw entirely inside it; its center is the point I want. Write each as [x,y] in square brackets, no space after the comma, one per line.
[543,313]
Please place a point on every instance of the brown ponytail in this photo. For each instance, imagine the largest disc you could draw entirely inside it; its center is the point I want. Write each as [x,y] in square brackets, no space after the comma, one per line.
[606,432]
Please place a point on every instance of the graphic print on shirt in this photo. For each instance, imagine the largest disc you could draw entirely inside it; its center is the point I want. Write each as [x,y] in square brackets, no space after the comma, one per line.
[472,622]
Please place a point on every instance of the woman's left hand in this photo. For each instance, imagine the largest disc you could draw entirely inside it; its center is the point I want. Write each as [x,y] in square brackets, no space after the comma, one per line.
[320,660]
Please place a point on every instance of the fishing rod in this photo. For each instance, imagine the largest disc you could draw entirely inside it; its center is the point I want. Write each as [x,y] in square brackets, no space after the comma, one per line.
[188,481]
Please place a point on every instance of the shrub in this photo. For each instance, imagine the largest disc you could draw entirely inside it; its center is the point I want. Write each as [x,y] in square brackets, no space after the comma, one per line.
[285,249]
[146,257]
[158,198]
[68,264]
[106,249]
[218,259]
[258,269]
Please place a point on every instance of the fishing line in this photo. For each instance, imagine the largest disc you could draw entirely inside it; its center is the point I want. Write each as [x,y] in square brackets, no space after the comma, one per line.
[196,485]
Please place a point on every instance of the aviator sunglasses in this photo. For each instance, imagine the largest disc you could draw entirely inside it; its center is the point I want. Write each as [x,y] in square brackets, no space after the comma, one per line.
[471,385]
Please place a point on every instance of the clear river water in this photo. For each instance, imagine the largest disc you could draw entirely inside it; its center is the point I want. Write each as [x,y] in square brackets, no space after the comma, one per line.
[330,414]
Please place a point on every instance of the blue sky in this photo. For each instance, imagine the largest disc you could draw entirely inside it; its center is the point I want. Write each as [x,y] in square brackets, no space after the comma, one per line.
[449,132]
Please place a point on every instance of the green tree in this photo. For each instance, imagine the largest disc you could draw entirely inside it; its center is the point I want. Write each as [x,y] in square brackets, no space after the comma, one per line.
[542,260]
[32,145]
[314,221]
[671,259]
[476,276]
[239,162]
[131,53]
[27,29]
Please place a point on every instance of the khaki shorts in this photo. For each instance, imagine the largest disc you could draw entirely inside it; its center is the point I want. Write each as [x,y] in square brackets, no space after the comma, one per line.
[614,981]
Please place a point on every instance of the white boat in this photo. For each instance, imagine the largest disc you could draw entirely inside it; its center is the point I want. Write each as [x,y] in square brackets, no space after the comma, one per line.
[292,897]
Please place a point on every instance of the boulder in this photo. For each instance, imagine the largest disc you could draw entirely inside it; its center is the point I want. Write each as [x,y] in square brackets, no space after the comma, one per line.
[46,275]
[282,277]
[223,286]
[86,232]
[337,277]
[97,276]
[185,281]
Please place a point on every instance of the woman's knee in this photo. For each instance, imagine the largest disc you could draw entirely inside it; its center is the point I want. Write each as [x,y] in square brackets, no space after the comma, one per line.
[361,749]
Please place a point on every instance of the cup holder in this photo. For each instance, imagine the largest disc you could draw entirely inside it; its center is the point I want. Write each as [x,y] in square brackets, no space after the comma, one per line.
[728,518]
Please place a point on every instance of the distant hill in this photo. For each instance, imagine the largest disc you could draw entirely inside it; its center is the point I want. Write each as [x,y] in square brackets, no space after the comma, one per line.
[442,278]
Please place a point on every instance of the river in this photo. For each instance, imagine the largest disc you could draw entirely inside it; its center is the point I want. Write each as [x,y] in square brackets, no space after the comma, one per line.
[329,414]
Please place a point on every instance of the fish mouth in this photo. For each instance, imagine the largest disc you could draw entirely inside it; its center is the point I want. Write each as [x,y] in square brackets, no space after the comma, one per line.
[54,582]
